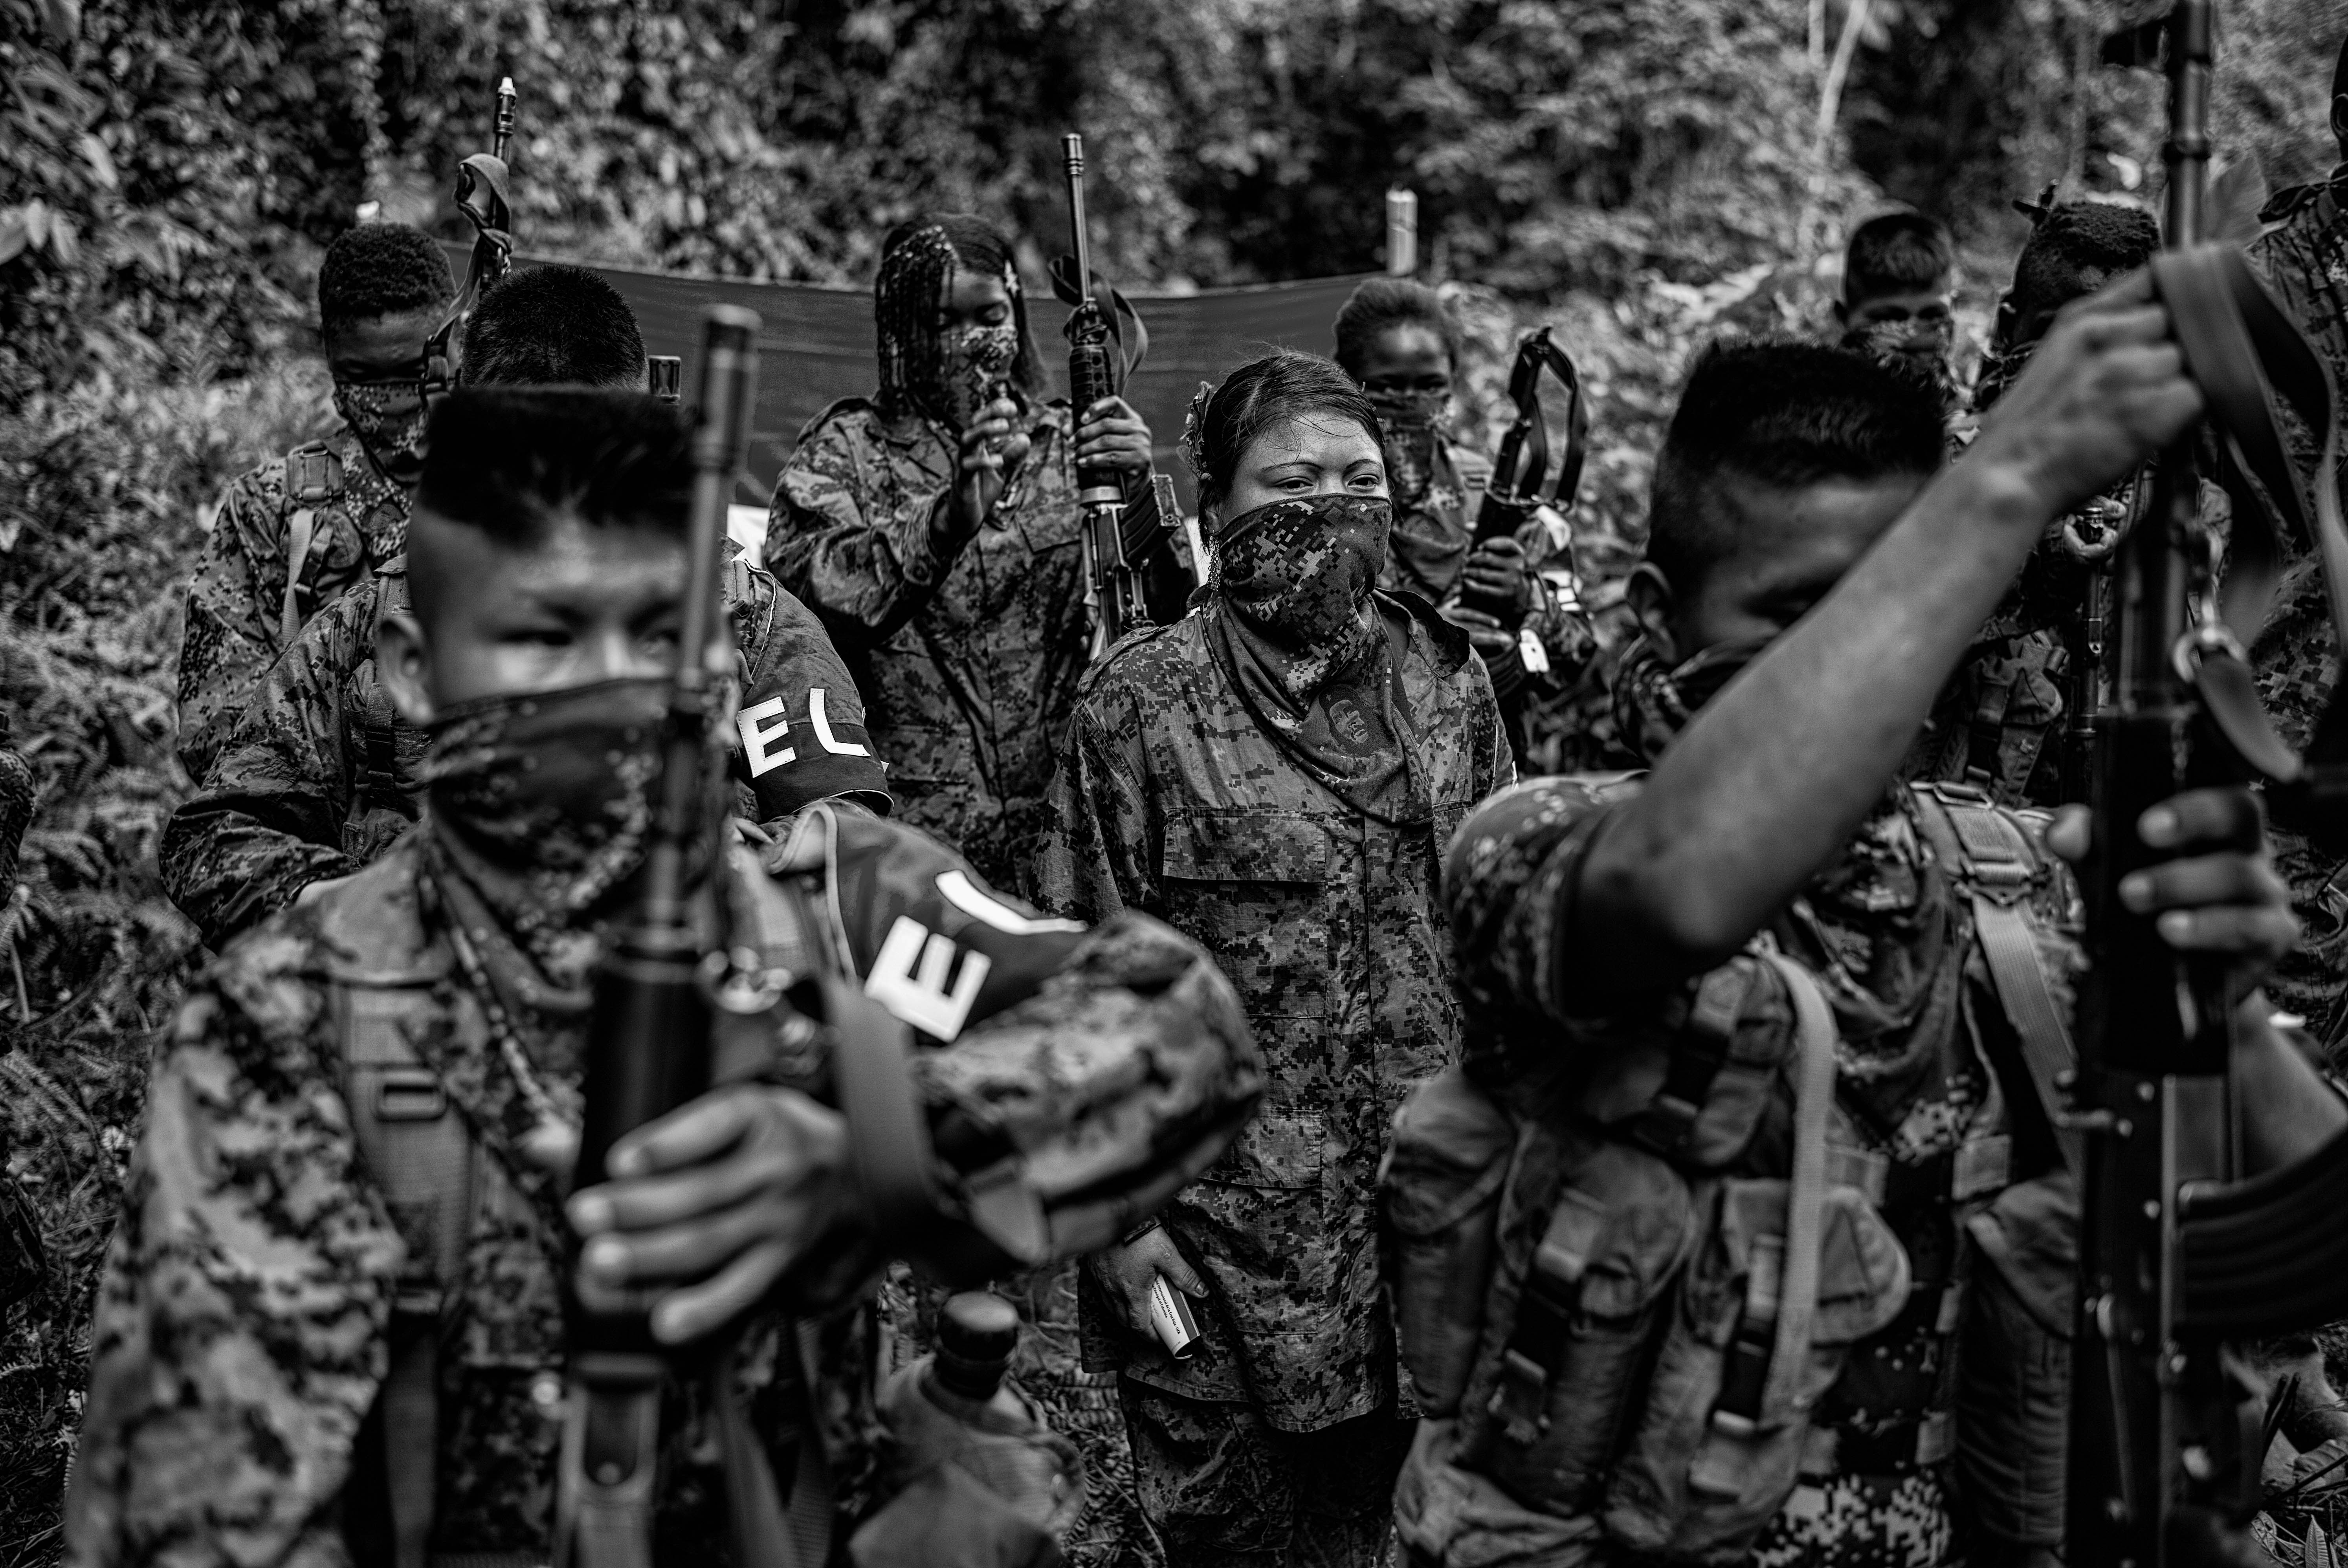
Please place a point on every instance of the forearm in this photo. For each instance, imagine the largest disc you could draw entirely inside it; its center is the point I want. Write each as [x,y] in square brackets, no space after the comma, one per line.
[1773,776]
[228,866]
[2288,1110]
[867,579]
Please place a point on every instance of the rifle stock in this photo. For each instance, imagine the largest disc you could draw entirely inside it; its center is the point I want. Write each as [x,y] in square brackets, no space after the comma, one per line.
[648,1045]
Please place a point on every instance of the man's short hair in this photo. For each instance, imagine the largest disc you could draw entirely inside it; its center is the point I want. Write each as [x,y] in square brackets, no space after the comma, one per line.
[1782,414]
[547,326]
[1381,304]
[380,270]
[511,461]
[2073,250]
[1896,253]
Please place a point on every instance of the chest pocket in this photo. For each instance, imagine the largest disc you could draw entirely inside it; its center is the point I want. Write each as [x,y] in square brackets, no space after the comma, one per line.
[1252,888]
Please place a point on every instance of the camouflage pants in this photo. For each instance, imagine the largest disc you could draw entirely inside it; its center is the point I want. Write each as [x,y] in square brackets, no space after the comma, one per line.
[1226,1490]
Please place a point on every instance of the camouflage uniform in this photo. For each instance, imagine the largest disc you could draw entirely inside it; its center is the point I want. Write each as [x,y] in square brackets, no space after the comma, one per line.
[1171,799]
[312,778]
[236,603]
[968,665]
[1930,1083]
[255,1288]
[2302,256]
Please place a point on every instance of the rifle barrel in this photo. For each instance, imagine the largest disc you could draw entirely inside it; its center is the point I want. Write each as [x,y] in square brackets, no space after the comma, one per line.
[501,132]
[2186,151]
[1072,156]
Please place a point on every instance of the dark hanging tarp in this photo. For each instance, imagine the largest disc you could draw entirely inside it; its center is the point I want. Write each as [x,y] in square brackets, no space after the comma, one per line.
[816,344]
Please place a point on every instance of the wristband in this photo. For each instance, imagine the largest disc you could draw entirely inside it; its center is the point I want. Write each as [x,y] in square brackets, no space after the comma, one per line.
[1138,1232]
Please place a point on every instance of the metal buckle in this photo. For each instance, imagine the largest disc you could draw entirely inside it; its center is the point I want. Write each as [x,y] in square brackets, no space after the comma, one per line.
[409,1094]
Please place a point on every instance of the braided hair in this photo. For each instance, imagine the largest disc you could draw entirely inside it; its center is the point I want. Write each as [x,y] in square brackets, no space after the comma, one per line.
[918,262]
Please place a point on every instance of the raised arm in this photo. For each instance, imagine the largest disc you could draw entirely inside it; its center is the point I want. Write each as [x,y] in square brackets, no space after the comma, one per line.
[865,528]
[1773,776]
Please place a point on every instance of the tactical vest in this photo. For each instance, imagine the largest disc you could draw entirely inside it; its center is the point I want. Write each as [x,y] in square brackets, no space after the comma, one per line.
[390,749]
[436,1180]
[1620,1332]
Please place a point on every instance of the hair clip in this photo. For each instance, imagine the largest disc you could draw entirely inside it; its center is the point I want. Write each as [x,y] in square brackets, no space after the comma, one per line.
[1193,445]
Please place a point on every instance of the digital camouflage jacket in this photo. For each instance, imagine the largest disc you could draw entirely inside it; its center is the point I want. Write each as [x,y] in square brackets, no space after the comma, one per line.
[236,602]
[2303,257]
[968,664]
[311,778]
[1169,799]
[1965,1387]
[245,1321]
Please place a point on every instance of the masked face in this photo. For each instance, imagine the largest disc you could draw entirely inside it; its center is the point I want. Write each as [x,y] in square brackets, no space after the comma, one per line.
[973,361]
[388,419]
[554,787]
[1408,426]
[1301,571]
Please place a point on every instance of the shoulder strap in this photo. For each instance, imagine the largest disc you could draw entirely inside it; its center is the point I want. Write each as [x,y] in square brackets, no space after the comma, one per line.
[1996,863]
[1753,1403]
[421,1155]
[314,479]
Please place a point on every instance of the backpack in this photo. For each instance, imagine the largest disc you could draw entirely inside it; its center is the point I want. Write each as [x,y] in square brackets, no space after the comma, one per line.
[1617,1340]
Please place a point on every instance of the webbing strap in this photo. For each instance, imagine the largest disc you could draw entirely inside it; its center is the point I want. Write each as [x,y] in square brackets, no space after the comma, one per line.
[2243,350]
[299,529]
[1798,1302]
[313,476]
[2018,969]
[421,1156]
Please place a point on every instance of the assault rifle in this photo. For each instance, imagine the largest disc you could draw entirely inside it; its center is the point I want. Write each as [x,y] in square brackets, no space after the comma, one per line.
[2180,1257]
[671,1017]
[1522,462]
[648,1048]
[481,182]
[1129,559]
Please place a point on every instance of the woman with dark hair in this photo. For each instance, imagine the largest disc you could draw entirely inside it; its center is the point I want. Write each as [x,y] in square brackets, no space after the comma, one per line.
[935,528]
[1399,343]
[1278,774]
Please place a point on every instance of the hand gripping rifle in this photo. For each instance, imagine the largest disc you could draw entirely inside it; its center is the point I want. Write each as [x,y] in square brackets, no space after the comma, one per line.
[1128,545]
[1522,462]
[2179,1256]
[481,190]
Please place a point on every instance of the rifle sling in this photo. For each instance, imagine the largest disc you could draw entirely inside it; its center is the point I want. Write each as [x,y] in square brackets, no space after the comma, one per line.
[2242,349]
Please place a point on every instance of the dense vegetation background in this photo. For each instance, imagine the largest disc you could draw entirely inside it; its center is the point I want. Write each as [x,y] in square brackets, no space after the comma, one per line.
[1642,172]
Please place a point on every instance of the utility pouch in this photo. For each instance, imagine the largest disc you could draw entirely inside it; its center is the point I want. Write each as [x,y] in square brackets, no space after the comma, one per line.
[1620,1234]
[1696,1098]
[1440,1184]
[1787,1275]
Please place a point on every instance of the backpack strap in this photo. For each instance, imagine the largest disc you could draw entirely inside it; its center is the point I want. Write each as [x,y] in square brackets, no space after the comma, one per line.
[1763,1378]
[314,479]
[1997,865]
[381,781]
[421,1155]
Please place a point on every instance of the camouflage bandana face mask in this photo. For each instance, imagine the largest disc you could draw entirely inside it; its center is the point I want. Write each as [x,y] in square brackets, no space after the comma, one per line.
[388,419]
[554,789]
[972,363]
[1653,702]
[1923,348]
[1408,424]
[1300,572]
